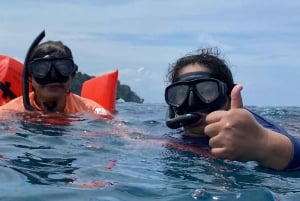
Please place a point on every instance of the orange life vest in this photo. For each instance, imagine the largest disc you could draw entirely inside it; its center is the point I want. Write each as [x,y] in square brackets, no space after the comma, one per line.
[102,89]
[11,71]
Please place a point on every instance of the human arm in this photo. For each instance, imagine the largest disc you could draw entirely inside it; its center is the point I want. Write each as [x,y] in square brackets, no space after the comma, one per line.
[294,163]
[236,135]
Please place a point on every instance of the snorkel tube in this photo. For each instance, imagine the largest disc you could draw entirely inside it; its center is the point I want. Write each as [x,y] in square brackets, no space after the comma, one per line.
[175,122]
[25,86]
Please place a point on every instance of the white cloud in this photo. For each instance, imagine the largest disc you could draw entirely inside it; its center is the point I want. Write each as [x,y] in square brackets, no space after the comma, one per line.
[141,38]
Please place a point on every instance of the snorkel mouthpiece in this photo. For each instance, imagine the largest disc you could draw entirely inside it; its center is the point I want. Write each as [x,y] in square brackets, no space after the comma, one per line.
[25,86]
[180,120]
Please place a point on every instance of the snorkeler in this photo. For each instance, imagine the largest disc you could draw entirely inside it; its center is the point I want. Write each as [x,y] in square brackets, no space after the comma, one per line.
[204,100]
[50,69]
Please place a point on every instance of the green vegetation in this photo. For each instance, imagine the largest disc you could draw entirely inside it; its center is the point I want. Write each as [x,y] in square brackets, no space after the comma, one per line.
[123,91]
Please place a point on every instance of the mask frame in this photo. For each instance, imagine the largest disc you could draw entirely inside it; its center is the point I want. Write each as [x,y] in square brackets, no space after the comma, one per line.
[186,117]
[40,68]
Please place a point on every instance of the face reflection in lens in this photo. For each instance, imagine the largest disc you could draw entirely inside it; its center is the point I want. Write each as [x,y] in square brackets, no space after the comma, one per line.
[208,91]
[64,67]
[40,68]
[197,95]
[177,94]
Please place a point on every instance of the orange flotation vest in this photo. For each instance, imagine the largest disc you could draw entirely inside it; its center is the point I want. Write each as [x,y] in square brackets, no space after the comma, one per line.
[11,71]
[102,89]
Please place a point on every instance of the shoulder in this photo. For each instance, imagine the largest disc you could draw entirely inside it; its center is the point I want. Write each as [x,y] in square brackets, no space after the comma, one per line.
[294,163]
[88,105]
[15,104]
[79,99]
[267,123]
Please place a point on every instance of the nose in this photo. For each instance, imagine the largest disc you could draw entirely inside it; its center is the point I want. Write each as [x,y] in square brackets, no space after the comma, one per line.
[53,72]
[193,100]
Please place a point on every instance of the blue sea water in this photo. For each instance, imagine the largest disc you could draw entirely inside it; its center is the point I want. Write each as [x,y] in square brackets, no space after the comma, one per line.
[128,158]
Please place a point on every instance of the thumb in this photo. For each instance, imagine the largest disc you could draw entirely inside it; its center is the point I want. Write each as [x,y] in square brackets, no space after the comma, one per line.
[236,97]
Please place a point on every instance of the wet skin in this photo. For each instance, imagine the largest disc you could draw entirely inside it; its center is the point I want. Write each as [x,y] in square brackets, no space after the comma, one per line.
[52,94]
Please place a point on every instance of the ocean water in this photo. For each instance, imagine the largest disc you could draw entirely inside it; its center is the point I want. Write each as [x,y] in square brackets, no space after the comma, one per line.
[129,158]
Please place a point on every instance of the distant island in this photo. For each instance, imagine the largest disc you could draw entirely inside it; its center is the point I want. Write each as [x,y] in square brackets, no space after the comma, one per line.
[124,92]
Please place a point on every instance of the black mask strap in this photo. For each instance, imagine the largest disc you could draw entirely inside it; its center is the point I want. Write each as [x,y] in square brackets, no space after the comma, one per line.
[6,92]
[25,88]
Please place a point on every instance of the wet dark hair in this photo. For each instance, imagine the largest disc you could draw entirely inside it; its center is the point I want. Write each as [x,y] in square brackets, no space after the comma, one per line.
[55,49]
[208,57]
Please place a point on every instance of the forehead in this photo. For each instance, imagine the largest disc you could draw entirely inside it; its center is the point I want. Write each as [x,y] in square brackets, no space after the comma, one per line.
[193,68]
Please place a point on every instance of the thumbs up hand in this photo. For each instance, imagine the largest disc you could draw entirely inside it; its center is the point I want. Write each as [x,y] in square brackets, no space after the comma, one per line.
[234,133]
[236,97]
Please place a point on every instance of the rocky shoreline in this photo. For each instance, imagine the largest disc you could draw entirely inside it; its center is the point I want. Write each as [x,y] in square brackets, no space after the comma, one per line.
[124,92]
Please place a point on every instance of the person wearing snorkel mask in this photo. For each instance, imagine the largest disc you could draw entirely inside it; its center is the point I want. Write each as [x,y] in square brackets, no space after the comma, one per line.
[50,68]
[204,100]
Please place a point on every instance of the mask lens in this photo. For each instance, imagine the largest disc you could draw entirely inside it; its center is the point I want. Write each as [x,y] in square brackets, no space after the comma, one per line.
[65,66]
[40,69]
[176,95]
[208,91]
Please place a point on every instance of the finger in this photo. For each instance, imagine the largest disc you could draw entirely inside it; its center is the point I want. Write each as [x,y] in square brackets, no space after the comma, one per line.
[215,116]
[212,130]
[236,97]
[220,153]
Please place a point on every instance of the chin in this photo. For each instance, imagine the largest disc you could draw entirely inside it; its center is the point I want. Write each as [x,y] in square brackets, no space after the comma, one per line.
[194,131]
[194,134]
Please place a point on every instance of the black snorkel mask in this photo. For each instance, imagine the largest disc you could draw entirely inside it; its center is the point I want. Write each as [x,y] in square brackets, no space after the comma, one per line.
[192,94]
[50,70]
[25,87]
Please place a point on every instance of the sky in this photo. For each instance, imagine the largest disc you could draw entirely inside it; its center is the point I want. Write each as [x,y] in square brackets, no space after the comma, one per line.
[260,40]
